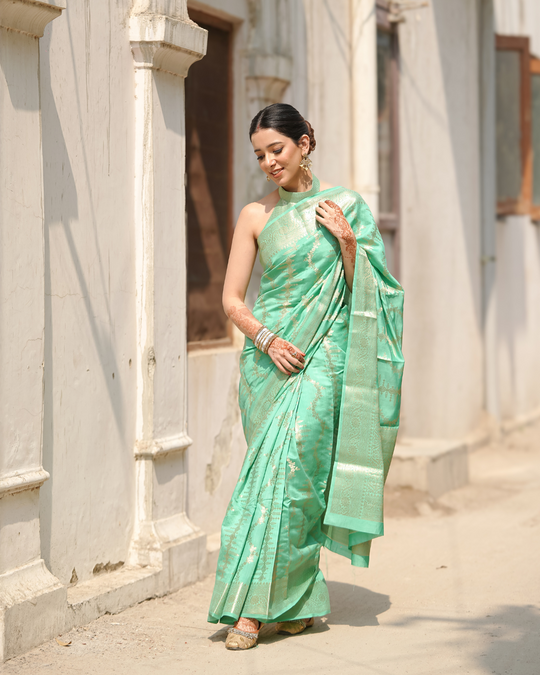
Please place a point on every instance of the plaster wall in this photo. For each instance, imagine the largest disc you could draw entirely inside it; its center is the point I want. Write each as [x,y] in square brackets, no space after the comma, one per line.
[216,455]
[518,265]
[440,257]
[518,313]
[90,330]
[521,17]
[21,305]
[21,257]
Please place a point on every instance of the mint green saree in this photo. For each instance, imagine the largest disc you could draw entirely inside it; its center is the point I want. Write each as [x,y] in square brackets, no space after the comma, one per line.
[319,441]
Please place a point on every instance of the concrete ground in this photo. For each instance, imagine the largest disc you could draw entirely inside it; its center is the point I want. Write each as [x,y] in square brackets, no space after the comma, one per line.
[454,587]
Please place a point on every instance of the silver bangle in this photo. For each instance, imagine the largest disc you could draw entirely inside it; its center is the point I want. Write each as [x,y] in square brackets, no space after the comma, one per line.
[268,342]
[260,336]
[264,339]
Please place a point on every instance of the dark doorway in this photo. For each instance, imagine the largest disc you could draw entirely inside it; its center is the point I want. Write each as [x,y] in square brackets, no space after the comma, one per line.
[209,182]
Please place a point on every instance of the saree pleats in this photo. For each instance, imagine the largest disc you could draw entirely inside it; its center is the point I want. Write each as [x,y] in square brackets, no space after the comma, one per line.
[319,441]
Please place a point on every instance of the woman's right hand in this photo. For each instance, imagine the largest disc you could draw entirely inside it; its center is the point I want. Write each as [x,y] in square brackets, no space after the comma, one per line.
[288,358]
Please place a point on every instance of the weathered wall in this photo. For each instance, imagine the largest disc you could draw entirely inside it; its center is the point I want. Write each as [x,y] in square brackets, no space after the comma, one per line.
[90,380]
[218,449]
[518,265]
[440,254]
[520,17]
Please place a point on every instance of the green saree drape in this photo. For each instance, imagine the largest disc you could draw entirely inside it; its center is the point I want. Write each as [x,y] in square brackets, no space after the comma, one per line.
[320,441]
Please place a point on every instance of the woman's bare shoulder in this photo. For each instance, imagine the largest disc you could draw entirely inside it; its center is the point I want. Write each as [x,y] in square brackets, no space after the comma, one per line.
[326,186]
[255,215]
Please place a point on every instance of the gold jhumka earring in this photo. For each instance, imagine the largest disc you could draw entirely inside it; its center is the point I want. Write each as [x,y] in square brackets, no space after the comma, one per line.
[268,178]
[306,163]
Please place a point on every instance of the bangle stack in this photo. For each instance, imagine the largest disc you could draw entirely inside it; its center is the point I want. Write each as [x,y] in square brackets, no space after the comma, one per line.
[264,339]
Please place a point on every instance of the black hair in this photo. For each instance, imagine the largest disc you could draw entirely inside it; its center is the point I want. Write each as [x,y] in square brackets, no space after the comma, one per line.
[284,119]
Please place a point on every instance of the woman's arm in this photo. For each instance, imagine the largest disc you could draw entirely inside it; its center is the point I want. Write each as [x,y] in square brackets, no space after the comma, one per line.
[239,269]
[331,216]
[285,355]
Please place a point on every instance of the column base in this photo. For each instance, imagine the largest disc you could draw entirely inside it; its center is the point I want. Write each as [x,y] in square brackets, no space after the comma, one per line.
[32,608]
[36,607]
[176,547]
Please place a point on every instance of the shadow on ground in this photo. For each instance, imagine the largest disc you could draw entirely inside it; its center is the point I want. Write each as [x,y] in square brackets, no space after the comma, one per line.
[512,646]
[351,606]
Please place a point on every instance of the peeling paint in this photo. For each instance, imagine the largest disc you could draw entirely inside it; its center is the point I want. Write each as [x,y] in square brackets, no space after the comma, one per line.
[100,568]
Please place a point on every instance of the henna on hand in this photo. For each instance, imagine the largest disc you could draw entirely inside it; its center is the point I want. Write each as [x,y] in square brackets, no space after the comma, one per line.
[288,358]
[345,233]
[244,320]
[331,216]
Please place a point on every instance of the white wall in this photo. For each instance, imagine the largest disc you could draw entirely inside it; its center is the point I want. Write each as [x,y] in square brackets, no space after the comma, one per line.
[215,458]
[518,310]
[90,379]
[519,17]
[440,257]
[518,264]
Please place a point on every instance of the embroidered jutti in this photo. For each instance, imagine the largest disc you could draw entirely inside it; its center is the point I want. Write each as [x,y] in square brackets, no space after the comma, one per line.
[319,441]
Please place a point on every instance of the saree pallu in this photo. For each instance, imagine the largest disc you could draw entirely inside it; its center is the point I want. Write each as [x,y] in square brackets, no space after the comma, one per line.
[319,441]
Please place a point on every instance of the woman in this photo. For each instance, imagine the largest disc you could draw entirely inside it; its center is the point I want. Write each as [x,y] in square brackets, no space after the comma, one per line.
[319,390]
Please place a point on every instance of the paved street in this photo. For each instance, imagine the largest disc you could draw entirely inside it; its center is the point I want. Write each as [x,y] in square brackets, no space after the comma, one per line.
[454,587]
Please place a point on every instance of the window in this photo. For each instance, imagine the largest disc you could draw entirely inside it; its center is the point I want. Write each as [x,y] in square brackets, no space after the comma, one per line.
[513,130]
[209,183]
[388,135]
[535,137]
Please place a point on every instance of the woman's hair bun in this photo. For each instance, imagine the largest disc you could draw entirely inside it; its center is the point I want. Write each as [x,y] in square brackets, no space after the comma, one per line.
[311,134]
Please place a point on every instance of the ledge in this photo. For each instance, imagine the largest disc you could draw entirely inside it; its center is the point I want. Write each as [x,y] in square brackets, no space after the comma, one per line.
[25,480]
[520,421]
[160,448]
[163,43]
[29,16]
[435,466]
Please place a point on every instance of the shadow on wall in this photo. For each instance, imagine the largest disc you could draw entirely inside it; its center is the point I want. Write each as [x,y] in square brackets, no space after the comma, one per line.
[61,210]
[462,122]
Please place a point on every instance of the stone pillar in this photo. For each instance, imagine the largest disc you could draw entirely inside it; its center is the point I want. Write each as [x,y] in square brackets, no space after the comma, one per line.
[32,600]
[365,170]
[164,42]
[268,68]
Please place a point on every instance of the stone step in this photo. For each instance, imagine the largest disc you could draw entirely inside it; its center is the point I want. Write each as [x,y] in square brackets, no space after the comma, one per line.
[435,466]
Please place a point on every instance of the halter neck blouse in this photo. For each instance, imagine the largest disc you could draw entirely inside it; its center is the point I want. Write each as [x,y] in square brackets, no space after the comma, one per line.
[298,196]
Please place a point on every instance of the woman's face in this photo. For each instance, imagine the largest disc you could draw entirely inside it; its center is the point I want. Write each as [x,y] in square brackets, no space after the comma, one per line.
[279,156]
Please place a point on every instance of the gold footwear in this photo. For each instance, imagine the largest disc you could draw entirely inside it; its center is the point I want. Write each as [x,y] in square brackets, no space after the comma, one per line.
[241,639]
[294,627]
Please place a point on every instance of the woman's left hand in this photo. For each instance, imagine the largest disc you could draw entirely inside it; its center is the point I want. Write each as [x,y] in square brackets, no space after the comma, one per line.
[331,216]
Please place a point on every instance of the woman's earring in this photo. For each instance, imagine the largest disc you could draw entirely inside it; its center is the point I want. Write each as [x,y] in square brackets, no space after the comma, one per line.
[306,163]
[268,178]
